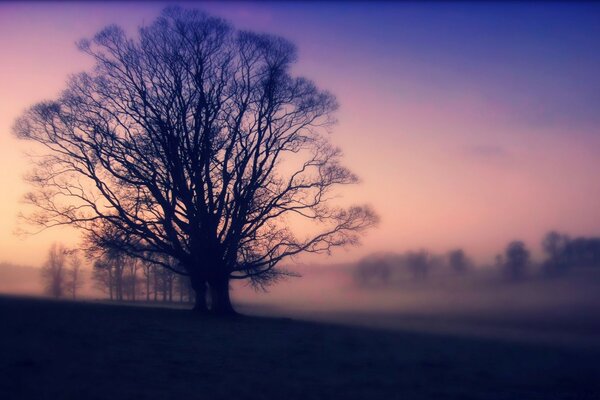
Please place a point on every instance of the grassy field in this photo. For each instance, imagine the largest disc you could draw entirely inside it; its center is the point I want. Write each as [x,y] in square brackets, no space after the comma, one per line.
[62,350]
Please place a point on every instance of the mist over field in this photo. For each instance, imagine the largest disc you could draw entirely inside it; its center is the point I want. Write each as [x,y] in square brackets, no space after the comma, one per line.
[480,302]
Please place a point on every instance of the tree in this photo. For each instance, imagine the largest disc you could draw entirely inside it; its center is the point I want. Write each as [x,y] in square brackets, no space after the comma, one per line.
[555,246]
[108,273]
[130,277]
[148,270]
[458,261]
[582,252]
[375,270]
[74,279]
[102,275]
[419,263]
[516,259]
[183,287]
[54,271]
[193,143]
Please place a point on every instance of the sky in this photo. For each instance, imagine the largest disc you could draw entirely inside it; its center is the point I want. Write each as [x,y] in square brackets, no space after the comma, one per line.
[469,124]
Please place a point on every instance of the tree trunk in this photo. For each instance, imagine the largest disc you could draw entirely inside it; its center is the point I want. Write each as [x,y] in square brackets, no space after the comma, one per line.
[180,286]
[219,295]
[148,287]
[133,285]
[119,280]
[155,285]
[110,284]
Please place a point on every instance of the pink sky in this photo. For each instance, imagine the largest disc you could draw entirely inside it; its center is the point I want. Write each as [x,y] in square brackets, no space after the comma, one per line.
[466,141]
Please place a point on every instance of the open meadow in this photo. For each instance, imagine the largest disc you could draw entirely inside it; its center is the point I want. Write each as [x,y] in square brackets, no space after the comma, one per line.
[65,350]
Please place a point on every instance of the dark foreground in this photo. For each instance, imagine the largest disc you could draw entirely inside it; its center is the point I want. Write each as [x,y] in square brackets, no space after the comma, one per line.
[56,350]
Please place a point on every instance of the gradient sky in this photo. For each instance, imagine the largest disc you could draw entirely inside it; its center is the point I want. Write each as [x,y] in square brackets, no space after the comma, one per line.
[469,124]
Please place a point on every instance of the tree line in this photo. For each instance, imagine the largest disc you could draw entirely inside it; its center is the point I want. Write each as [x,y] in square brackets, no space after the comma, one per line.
[124,278]
[561,253]
[120,277]
[389,268]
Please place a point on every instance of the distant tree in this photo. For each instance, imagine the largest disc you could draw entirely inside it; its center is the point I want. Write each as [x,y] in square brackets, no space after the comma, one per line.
[117,274]
[130,277]
[499,260]
[555,247]
[554,244]
[117,264]
[165,281]
[108,273]
[563,253]
[183,287]
[193,142]
[419,263]
[583,252]
[102,275]
[517,259]
[458,261]
[74,277]
[148,271]
[374,270]
[390,268]
[54,271]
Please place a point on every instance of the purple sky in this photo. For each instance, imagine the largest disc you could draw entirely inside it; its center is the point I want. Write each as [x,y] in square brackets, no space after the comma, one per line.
[469,124]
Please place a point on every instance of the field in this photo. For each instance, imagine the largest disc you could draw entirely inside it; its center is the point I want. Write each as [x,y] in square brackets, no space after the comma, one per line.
[63,350]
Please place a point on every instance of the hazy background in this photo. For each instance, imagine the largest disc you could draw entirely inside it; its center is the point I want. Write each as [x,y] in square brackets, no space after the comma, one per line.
[469,124]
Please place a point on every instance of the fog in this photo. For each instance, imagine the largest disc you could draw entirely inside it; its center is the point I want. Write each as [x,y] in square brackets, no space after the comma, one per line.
[547,296]
[480,300]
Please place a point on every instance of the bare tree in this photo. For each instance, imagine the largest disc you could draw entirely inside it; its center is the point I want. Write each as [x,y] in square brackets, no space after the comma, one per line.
[375,270]
[182,283]
[419,263]
[148,271]
[54,271]
[109,273]
[555,246]
[130,277]
[165,281]
[193,143]
[102,275]
[458,261]
[74,279]
[517,260]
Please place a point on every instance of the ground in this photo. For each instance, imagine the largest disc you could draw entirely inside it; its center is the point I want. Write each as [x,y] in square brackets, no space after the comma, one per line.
[63,350]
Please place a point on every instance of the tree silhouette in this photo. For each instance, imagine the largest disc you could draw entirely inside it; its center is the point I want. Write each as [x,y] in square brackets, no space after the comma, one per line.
[102,275]
[583,252]
[74,278]
[555,246]
[419,263]
[194,144]
[108,271]
[374,270]
[458,261]
[54,271]
[516,259]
